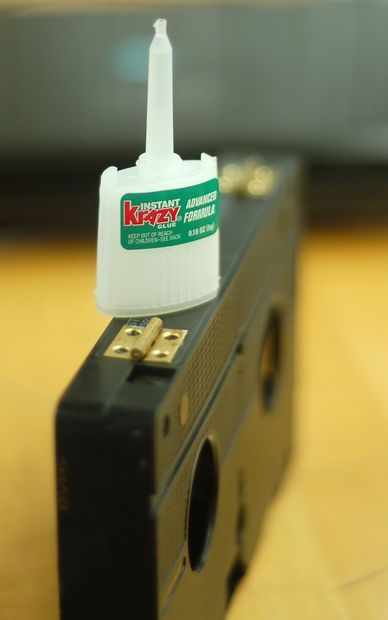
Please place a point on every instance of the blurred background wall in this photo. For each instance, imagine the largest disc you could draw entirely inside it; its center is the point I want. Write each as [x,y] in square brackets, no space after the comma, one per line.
[311,78]
[305,77]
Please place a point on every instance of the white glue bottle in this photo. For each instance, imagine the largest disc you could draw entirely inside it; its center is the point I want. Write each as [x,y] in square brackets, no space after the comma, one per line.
[158,237]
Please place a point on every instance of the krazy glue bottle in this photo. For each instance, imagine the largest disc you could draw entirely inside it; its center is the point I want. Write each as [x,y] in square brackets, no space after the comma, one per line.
[158,237]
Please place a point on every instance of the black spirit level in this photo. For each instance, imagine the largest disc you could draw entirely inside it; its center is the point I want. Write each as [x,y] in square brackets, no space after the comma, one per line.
[173,436]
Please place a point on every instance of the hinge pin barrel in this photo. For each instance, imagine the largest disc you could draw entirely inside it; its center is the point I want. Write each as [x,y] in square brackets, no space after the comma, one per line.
[147,337]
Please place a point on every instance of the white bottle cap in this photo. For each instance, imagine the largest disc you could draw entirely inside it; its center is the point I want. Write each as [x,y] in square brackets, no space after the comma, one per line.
[158,237]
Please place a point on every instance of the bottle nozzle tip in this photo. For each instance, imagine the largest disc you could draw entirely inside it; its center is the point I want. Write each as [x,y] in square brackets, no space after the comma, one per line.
[160,26]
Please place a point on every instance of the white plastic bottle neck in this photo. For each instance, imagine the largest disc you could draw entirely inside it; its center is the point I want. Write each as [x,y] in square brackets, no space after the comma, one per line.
[159,157]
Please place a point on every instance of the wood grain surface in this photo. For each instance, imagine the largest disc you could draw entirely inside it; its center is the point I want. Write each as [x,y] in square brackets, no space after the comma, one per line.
[324,550]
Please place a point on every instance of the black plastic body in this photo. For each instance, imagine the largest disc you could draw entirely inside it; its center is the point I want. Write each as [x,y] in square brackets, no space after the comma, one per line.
[126,463]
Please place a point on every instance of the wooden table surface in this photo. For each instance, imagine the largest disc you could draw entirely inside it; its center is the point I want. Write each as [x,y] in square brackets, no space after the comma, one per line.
[324,551]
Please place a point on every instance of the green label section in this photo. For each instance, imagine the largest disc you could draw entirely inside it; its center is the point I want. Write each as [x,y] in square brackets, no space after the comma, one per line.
[169,217]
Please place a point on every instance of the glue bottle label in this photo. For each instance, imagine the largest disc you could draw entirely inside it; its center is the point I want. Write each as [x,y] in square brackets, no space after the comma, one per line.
[169,217]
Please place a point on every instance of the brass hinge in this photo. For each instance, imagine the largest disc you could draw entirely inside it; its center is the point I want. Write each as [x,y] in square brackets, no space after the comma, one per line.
[149,343]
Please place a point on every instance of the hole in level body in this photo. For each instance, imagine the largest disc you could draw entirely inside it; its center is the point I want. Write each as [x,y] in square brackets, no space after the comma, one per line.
[270,359]
[236,573]
[202,505]
[241,524]
[166,425]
